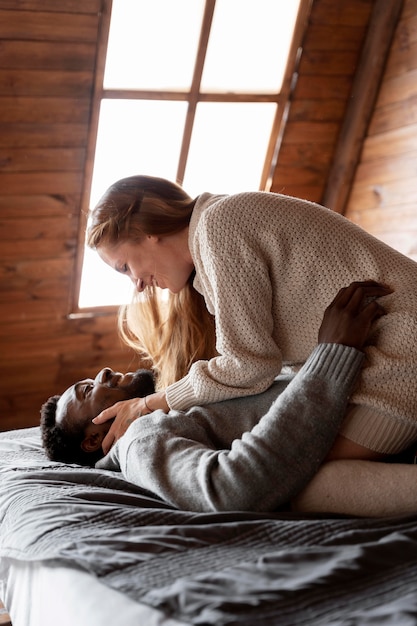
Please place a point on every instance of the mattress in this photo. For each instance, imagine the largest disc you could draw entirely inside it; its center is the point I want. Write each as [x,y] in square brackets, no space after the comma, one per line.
[44,593]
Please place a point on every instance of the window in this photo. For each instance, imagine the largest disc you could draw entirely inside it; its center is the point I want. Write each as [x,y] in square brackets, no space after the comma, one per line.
[191,91]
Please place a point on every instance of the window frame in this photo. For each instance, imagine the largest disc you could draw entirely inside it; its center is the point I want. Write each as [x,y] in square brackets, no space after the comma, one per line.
[193,96]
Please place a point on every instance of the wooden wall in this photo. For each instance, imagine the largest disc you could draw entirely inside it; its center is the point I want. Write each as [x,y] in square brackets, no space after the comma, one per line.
[331,48]
[384,195]
[47,62]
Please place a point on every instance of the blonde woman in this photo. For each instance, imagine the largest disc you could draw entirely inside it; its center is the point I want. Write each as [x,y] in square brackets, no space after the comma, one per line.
[266,266]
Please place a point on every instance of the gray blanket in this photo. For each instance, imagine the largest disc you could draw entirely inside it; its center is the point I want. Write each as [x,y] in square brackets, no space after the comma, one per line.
[207,569]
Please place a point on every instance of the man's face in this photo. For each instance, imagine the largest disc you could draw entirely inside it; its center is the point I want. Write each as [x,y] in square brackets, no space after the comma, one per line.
[87,398]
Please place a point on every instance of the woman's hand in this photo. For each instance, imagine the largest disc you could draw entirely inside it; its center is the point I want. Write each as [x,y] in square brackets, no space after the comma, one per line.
[348,319]
[125,412]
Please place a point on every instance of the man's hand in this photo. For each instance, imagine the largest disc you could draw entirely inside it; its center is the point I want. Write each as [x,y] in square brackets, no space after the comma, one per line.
[125,412]
[348,319]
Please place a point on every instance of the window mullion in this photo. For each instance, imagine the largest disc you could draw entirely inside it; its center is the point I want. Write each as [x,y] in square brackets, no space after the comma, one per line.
[195,87]
[143,94]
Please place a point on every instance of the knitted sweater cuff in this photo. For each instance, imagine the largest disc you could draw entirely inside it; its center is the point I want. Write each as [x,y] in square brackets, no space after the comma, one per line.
[180,395]
[334,361]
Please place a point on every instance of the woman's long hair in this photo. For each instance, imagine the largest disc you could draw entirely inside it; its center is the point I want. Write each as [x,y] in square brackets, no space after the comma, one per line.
[171,334]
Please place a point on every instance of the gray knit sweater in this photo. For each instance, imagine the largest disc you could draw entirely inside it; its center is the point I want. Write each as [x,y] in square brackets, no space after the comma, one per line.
[268,265]
[252,453]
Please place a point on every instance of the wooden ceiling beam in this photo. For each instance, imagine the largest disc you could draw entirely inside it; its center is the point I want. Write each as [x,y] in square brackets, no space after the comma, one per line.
[382,25]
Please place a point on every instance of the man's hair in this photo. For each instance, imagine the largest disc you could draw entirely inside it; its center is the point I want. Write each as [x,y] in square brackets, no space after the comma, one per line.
[64,443]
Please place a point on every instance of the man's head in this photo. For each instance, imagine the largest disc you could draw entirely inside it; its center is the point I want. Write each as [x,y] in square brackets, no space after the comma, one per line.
[68,433]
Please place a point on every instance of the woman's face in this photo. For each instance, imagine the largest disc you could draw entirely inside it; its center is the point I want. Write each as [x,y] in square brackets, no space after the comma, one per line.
[161,261]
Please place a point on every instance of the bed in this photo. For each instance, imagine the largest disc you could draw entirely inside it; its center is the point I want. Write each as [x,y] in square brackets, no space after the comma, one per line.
[83,546]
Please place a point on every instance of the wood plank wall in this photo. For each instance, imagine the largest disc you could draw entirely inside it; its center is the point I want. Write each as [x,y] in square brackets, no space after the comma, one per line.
[330,52]
[47,62]
[384,195]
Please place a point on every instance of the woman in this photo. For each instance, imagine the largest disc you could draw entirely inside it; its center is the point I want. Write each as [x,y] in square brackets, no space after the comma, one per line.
[267,266]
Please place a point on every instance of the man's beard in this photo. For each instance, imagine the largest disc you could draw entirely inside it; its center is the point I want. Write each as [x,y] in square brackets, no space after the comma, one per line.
[142,384]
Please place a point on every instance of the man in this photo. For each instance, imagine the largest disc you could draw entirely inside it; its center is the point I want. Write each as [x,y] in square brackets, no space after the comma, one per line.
[254,453]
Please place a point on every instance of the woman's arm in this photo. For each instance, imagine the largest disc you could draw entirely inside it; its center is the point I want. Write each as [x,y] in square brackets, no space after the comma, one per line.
[173,457]
[233,274]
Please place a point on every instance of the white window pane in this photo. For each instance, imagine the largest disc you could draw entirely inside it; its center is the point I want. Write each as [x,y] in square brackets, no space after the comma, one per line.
[249,45]
[152,43]
[228,147]
[137,137]
[101,285]
[134,137]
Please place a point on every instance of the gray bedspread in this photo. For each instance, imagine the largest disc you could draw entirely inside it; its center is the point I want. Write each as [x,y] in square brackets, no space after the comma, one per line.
[207,569]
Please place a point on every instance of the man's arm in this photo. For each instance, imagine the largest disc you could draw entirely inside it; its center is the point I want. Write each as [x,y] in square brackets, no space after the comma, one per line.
[172,456]
[268,465]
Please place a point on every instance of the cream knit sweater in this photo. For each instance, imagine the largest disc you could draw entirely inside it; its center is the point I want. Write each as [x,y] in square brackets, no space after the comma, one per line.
[268,265]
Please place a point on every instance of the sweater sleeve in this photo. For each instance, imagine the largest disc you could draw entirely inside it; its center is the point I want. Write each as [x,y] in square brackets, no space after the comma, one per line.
[233,273]
[265,467]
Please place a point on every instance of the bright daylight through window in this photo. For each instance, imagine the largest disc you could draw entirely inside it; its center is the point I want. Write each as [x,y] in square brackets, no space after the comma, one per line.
[190,93]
